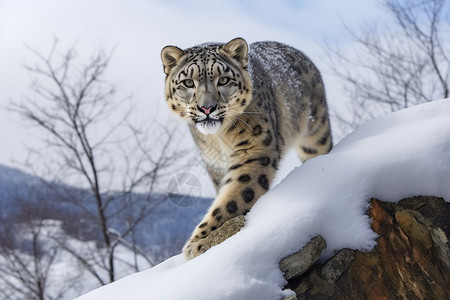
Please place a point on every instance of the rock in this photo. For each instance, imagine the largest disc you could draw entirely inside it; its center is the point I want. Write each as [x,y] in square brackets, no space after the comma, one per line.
[320,282]
[334,268]
[229,228]
[299,262]
[411,259]
[290,298]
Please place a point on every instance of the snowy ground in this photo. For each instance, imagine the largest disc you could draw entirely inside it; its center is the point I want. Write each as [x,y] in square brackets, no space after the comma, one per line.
[391,158]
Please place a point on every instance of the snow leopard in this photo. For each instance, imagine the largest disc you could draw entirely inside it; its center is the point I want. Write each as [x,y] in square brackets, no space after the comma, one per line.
[245,106]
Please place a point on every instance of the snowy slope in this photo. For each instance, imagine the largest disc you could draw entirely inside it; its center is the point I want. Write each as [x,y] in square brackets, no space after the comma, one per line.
[397,156]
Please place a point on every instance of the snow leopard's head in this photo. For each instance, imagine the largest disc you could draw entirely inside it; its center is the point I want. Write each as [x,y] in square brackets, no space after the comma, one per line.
[208,84]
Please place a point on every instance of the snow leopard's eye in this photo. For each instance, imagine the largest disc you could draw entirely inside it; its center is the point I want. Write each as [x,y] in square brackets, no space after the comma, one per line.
[223,81]
[189,83]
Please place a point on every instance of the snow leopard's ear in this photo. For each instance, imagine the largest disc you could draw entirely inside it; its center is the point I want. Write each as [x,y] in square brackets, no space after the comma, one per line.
[237,49]
[170,55]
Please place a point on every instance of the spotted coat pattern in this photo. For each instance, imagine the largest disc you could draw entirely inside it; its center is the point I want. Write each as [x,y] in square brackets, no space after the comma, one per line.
[245,107]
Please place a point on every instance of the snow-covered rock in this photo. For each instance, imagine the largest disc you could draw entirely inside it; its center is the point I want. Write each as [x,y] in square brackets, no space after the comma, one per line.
[391,158]
[410,261]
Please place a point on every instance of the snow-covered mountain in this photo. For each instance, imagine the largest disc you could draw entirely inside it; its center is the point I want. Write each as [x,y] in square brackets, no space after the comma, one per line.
[401,155]
[14,184]
[12,176]
[162,233]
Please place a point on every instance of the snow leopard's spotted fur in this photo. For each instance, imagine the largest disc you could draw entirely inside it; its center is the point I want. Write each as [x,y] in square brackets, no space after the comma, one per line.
[245,107]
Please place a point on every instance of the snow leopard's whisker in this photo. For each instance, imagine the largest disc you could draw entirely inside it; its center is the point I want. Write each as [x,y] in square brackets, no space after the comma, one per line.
[234,124]
[239,119]
[254,112]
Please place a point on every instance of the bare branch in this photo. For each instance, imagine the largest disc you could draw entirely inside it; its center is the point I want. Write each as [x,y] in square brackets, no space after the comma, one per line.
[397,67]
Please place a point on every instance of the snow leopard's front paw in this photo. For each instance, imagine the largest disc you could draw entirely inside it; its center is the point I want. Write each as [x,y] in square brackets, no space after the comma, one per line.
[196,246]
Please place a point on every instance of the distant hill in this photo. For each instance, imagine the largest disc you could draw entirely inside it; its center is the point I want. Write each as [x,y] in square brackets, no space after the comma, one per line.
[162,233]
[12,180]
[15,184]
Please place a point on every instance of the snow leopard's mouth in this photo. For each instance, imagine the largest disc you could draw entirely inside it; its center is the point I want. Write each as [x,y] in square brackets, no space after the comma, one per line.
[208,125]
[208,121]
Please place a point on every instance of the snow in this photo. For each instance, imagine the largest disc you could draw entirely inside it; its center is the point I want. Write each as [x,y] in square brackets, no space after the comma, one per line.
[404,154]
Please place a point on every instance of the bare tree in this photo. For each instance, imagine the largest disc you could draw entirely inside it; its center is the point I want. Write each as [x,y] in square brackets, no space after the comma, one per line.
[29,256]
[24,275]
[398,65]
[89,141]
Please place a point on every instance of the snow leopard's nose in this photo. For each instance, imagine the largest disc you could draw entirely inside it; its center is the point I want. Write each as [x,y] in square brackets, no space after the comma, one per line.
[207,110]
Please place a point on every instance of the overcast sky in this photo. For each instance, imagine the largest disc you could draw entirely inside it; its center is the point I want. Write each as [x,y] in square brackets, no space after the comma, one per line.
[140,28]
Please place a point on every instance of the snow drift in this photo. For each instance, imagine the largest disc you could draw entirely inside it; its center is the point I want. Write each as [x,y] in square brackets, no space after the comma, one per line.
[401,155]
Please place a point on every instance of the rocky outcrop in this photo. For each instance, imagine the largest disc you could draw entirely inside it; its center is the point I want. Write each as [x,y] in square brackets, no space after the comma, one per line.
[411,259]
